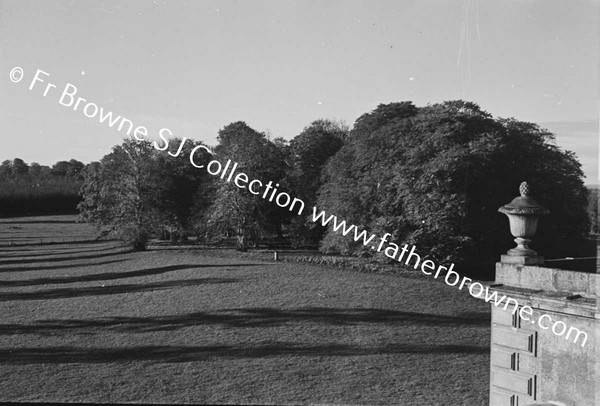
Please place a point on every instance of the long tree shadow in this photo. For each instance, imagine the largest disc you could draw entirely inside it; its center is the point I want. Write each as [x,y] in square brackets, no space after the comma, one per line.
[33,244]
[29,240]
[120,251]
[168,354]
[107,290]
[240,318]
[50,267]
[56,251]
[38,222]
[107,275]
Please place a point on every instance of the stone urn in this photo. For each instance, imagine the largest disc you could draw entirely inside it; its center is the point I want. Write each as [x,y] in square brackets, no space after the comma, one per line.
[523,215]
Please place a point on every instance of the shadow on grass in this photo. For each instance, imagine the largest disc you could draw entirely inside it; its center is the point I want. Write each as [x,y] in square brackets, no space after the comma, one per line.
[105,276]
[34,242]
[48,268]
[239,318]
[61,259]
[61,355]
[39,222]
[56,251]
[108,290]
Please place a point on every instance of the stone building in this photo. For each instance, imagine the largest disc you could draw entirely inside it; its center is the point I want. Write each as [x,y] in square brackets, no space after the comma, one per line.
[551,356]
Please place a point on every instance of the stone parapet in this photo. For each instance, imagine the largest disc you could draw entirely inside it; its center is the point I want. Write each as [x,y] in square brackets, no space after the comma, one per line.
[547,279]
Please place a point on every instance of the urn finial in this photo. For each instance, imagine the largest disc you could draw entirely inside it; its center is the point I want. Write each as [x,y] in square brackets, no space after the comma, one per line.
[524,189]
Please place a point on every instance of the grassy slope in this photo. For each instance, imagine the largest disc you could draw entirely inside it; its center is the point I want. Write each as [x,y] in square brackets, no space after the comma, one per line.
[88,322]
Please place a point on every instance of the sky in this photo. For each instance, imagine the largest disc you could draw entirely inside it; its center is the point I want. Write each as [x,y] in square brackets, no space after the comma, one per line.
[194,67]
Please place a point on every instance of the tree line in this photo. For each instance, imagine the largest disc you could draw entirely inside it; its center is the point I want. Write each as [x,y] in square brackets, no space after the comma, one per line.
[27,189]
[431,176]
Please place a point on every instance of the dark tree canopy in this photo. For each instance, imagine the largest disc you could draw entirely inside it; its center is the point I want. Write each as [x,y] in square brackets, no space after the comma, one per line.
[19,167]
[309,152]
[71,169]
[432,176]
[435,177]
[186,191]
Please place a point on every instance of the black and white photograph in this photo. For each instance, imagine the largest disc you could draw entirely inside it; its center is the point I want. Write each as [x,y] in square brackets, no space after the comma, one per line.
[300,202]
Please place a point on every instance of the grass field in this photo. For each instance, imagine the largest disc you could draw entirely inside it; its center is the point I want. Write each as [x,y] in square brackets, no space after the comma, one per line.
[92,322]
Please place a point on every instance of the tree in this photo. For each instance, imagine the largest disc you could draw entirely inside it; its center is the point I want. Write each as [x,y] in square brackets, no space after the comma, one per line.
[35,170]
[355,178]
[248,215]
[60,169]
[71,169]
[6,170]
[309,151]
[187,192]
[435,177]
[74,169]
[238,210]
[19,167]
[121,193]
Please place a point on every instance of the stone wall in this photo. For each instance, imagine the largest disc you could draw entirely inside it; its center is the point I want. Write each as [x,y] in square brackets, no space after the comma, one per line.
[532,365]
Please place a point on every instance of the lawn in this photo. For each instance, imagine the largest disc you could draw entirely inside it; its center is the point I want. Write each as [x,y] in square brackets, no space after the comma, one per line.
[92,322]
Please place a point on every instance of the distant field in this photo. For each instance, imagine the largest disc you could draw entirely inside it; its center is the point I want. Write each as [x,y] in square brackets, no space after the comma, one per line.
[91,322]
